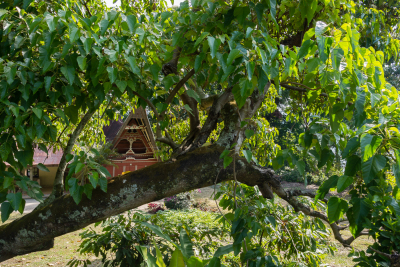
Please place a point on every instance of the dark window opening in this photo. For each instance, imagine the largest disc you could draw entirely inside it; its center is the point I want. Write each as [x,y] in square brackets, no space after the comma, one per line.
[123,146]
[138,147]
[35,172]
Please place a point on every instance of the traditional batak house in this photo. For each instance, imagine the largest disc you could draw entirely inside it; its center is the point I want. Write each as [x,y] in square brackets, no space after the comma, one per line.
[132,138]
[134,141]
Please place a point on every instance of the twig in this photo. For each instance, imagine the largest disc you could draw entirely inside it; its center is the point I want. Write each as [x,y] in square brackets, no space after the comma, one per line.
[176,89]
[87,9]
[379,252]
[215,186]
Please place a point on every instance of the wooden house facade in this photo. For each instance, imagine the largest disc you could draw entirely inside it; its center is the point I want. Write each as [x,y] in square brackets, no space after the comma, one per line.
[133,139]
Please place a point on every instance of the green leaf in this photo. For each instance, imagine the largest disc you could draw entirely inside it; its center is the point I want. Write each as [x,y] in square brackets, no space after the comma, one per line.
[227,160]
[5,149]
[8,181]
[112,74]
[121,85]
[40,166]
[104,26]
[248,133]
[131,20]
[74,33]
[69,73]
[272,4]
[22,206]
[38,112]
[396,167]
[72,113]
[188,109]
[194,262]
[353,165]
[104,172]
[223,251]
[21,140]
[87,190]
[10,74]
[157,230]
[262,79]
[395,205]
[201,38]
[82,62]
[372,167]
[15,200]
[344,182]
[112,55]
[326,186]
[87,45]
[103,183]
[214,45]
[186,244]
[241,14]
[351,147]
[248,155]
[301,166]
[250,65]
[79,167]
[177,259]
[369,145]
[194,95]
[357,215]
[94,178]
[132,63]
[224,153]
[336,209]
[308,137]
[304,49]
[214,262]
[155,70]
[235,53]
[199,59]
[336,57]
[320,28]
[160,261]
[50,22]
[69,157]
[6,210]
[75,190]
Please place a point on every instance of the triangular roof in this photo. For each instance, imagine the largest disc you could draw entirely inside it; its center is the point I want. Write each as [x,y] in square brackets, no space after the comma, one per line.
[116,128]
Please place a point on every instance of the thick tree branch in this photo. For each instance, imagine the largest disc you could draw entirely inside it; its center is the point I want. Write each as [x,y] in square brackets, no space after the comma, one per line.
[196,169]
[194,114]
[212,119]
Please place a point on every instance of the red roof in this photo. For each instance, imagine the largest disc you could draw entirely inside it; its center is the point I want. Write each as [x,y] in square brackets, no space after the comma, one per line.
[40,156]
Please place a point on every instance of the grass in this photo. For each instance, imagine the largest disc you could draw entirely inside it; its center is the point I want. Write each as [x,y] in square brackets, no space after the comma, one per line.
[65,246]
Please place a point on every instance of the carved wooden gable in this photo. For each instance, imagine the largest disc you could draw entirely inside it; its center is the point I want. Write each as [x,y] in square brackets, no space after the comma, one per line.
[134,141]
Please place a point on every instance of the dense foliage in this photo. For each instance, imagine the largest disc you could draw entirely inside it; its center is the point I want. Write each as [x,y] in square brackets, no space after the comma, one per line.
[207,72]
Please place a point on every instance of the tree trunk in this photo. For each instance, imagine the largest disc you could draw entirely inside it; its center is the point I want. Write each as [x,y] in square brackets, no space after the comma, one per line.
[199,168]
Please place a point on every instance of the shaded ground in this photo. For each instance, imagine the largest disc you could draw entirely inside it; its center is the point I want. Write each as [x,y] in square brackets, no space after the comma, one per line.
[66,245]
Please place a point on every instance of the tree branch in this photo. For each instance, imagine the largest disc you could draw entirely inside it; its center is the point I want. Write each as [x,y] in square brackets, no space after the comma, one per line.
[192,170]
[86,7]
[148,103]
[294,88]
[176,89]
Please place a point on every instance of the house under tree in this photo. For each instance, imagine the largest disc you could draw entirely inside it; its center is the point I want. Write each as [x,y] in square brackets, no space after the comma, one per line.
[132,138]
